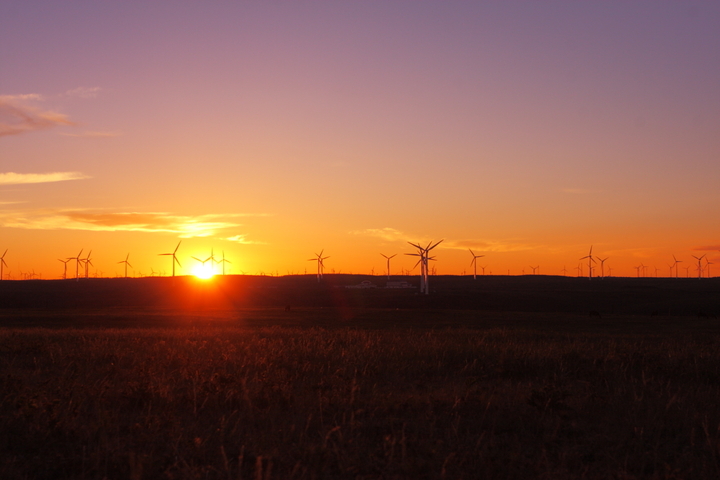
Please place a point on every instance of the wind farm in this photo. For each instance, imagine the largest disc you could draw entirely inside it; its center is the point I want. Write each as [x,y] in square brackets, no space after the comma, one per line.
[571,148]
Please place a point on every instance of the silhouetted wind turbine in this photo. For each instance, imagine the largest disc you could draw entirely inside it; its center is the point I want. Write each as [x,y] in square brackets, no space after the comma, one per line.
[388,263]
[474,263]
[223,261]
[602,266]
[2,264]
[126,263]
[590,262]
[87,262]
[65,262]
[699,267]
[77,264]
[423,253]
[320,265]
[676,266]
[174,257]
[535,269]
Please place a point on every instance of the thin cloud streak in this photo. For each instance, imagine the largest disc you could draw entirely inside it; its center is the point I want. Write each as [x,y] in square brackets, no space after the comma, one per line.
[386,233]
[12,178]
[498,246]
[89,134]
[16,118]
[185,226]
[84,92]
[706,248]
[242,239]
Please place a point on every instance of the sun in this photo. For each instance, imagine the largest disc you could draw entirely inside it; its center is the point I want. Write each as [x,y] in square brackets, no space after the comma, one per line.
[203,271]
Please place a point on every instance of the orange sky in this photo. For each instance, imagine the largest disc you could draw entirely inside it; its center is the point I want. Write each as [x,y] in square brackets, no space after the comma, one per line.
[522,130]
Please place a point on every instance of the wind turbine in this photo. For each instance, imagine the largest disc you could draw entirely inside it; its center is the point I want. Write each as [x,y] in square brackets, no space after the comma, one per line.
[602,266]
[388,263]
[87,262]
[126,264]
[699,267]
[174,257]
[707,265]
[223,261]
[637,269]
[590,262]
[423,253]
[320,263]
[65,262]
[676,265]
[535,269]
[2,264]
[564,270]
[474,263]
[77,264]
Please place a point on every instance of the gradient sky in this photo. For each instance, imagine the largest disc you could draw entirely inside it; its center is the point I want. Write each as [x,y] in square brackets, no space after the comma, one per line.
[524,130]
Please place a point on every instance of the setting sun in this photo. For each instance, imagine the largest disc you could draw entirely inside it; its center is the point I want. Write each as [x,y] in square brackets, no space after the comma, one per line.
[203,271]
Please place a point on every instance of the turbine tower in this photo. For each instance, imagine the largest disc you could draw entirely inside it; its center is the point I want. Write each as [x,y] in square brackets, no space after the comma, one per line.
[174,258]
[423,253]
[677,267]
[699,267]
[602,266]
[77,264]
[474,263]
[591,260]
[223,261]
[65,262]
[320,263]
[388,263]
[3,264]
[87,262]
[126,263]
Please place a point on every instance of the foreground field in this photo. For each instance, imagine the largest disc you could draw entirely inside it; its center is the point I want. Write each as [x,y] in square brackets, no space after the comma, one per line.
[267,394]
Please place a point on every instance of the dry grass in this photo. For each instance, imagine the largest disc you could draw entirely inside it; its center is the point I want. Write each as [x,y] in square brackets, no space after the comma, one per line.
[285,402]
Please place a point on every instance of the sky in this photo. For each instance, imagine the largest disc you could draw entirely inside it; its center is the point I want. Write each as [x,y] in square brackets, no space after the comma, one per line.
[526,131]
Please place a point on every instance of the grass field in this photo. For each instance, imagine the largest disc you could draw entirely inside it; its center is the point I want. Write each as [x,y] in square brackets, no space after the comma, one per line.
[269,394]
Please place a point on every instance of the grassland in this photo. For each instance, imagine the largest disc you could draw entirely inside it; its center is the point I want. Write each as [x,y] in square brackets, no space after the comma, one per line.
[269,394]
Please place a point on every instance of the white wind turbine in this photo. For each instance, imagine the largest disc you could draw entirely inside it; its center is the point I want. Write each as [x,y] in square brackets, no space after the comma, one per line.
[474,263]
[3,264]
[320,263]
[388,263]
[174,257]
[591,260]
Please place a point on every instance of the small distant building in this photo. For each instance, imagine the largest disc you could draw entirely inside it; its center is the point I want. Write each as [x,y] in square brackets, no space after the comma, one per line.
[401,284]
[363,284]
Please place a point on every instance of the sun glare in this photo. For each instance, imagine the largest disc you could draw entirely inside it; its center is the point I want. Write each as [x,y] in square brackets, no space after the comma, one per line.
[203,271]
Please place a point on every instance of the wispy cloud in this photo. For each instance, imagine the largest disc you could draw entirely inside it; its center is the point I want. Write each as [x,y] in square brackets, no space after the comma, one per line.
[17,118]
[84,92]
[89,134]
[242,239]
[386,233]
[12,178]
[185,226]
[489,245]
[706,248]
